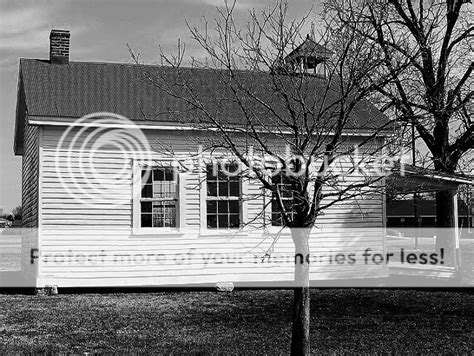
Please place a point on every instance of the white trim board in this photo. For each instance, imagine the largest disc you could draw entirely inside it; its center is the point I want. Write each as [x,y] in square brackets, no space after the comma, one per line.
[173,127]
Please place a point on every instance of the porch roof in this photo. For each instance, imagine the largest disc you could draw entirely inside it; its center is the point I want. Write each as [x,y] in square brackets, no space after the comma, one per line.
[406,178]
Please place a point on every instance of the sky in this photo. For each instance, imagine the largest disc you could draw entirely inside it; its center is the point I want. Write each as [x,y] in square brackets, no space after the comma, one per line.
[100,31]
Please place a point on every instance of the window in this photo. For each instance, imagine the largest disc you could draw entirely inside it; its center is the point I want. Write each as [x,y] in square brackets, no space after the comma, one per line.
[223,197]
[286,194]
[159,198]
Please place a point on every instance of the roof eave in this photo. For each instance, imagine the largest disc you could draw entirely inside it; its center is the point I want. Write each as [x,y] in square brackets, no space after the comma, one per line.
[19,118]
[161,125]
[406,181]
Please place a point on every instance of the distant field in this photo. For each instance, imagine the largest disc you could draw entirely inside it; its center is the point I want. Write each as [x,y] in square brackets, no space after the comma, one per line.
[10,252]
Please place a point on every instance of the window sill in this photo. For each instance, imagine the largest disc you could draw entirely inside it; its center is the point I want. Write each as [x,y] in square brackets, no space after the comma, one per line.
[156,233]
[222,232]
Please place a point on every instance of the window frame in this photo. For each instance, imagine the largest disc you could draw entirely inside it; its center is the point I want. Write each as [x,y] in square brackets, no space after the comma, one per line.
[137,229]
[223,198]
[284,198]
[269,196]
[204,230]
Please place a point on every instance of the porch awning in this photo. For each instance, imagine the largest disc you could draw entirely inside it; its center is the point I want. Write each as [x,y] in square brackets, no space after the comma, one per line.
[406,179]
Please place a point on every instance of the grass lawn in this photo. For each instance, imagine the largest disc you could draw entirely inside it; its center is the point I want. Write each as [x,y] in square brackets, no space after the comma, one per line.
[467,261]
[248,321]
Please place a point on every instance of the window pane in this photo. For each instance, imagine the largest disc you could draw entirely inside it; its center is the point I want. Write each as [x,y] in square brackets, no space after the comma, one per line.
[164,214]
[221,175]
[158,174]
[288,204]
[146,220]
[234,206]
[275,207]
[286,192]
[276,219]
[163,174]
[211,206]
[158,190]
[223,221]
[157,215]
[171,190]
[169,174]
[212,189]
[234,221]
[170,215]
[147,191]
[234,188]
[223,189]
[276,179]
[164,190]
[223,207]
[146,176]
[233,168]
[212,221]
[158,220]
[146,207]
[212,171]
[209,172]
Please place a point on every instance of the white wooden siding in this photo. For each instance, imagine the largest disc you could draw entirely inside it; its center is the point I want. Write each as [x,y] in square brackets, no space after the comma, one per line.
[30,170]
[30,203]
[101,224]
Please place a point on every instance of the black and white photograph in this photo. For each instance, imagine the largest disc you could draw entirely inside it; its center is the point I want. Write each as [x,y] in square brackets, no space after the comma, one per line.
[237,177]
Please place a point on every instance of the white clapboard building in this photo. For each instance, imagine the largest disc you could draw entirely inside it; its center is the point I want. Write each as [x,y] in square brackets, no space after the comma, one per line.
[99,215]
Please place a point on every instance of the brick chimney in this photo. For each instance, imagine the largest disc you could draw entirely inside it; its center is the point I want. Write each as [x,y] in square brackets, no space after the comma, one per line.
[59,46]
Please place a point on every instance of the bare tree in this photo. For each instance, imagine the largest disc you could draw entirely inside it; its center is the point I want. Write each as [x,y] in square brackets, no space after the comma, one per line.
[17,212]
[267,104]
[426,47]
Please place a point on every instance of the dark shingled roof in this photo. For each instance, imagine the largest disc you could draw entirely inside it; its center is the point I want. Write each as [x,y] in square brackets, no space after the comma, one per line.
[73,90]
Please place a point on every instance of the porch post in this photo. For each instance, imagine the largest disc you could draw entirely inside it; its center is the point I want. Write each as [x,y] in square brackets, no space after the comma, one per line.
[457,255]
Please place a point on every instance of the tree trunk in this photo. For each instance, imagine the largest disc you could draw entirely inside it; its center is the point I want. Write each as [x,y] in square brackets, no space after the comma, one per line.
[445,221]
[445,208]
[300,342]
